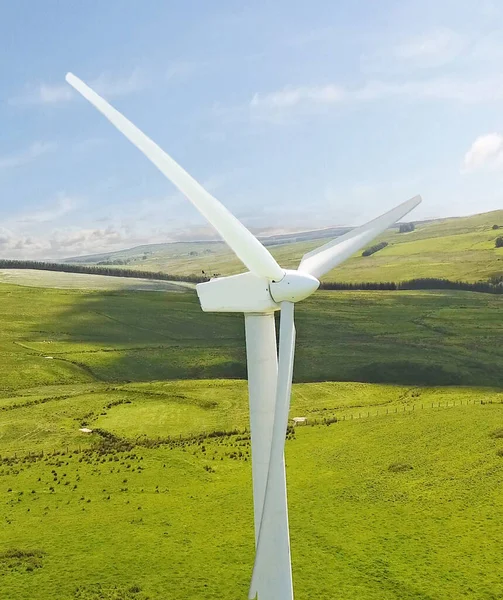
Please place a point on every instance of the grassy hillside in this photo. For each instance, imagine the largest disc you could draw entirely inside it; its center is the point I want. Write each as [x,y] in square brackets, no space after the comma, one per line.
[432,338]
[457,248]
[398,499]
[78,281]
[399,506]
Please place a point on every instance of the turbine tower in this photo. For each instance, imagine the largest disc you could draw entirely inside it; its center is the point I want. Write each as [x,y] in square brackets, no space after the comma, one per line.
[258,293]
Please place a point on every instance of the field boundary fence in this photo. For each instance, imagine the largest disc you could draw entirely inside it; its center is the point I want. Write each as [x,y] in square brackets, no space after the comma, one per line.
[125,445]
[383,411]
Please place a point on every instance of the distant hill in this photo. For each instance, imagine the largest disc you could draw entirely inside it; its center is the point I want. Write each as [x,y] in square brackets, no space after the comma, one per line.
[174,248]
[453,248]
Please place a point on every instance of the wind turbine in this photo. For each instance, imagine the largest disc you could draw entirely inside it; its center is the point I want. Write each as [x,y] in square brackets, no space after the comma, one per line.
[264,289]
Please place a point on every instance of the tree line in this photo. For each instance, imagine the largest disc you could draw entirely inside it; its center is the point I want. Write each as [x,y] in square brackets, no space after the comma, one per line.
[494,286]
[375,248]
[98,270]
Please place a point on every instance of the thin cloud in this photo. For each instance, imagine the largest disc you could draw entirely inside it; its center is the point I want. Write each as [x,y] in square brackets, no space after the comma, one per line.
[43,94]
[431,49]
[19,159]
[485,152]
[60,93]
[112,86]
[290,100]
[182,69]
[294,96]
[474,91]
[63,206]
[61,242]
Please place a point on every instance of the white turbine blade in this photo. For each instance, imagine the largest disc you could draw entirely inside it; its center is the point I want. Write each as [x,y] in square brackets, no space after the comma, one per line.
[272,558]
[322,260]
[244,244]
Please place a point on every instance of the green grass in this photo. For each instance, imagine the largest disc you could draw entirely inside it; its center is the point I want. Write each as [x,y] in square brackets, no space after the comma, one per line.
[71,281]
[360,526]
[45,420]
[400,499]
[424,338]
[457,248]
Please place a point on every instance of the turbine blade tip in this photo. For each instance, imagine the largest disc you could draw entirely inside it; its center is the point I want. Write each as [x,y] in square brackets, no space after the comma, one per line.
[72,79]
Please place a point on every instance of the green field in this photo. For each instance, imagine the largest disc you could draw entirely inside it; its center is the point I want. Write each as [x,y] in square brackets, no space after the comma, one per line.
[394,486]
[458,249]
[404,505]
[430,338]
[79,281]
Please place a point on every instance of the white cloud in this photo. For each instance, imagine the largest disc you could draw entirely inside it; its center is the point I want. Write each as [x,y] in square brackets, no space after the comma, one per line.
[485,152]
[111,86]
[85,239]
[286,101]
[43,93]
[432,49]
[294,96]
[13,245]
[106,84]
[440,88]
[27,234]
[26,156]
[182,69]
[63,205]
[489,48]
[61,242]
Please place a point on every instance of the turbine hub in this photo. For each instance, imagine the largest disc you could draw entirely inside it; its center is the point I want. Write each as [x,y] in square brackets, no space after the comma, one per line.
[294,286]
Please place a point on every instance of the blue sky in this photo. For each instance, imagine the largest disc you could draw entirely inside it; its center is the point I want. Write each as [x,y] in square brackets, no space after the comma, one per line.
[294,114]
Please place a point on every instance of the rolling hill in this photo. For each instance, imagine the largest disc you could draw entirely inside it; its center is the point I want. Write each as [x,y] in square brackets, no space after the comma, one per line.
[461,248]
[394,485]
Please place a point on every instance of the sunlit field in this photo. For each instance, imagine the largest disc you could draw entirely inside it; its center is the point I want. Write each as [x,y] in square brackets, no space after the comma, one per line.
[394,483]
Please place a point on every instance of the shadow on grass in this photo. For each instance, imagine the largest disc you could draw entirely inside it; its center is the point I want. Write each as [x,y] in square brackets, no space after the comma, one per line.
[386,337]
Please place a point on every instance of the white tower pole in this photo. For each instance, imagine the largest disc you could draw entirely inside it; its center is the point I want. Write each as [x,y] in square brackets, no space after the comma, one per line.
[262,362]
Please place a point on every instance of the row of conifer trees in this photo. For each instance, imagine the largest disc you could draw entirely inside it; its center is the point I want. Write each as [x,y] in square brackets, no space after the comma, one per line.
[493,286]
[426,283]
[97,270]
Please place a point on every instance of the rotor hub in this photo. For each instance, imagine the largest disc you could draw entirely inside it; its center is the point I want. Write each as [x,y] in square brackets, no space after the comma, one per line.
[294,286]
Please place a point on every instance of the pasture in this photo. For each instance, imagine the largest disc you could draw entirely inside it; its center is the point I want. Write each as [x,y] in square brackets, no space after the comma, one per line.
[404,505]
[79,281]
[394,484]
[417,338]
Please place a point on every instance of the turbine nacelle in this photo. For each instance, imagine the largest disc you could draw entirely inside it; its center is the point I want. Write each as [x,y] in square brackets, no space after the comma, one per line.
[248,293]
